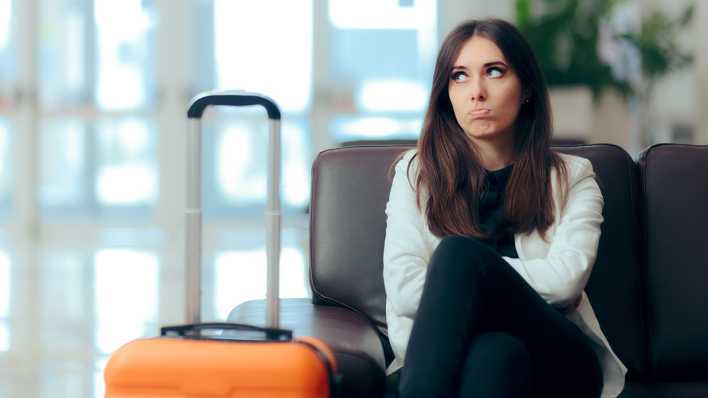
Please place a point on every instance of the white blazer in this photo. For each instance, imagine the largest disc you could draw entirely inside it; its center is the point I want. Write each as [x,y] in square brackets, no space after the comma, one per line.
[558,270]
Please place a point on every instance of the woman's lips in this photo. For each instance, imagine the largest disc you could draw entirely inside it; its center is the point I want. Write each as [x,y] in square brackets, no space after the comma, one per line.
[479,113]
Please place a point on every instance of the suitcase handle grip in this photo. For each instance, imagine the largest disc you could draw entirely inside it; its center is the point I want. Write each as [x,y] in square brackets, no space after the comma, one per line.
[231,98]
[194,330]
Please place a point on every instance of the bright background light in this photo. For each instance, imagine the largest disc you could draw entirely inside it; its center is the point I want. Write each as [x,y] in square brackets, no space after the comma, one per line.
[241,276]
[4,301]
[122,27]
[393,96]
[126,291]
[282,48]
[5,14]
[129,174]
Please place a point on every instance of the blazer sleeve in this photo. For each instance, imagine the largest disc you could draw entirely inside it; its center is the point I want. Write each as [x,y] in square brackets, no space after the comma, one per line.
[560,278]
[404,263]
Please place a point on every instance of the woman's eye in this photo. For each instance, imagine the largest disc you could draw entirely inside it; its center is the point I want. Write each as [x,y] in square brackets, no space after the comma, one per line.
[459,76]
[495,72]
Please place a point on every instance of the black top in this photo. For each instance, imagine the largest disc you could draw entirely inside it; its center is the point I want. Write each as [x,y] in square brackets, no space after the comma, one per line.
[491,205]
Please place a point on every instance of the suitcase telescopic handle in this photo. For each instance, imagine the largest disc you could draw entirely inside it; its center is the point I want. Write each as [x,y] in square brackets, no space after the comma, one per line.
[231,98]
[195,330]
[194,201]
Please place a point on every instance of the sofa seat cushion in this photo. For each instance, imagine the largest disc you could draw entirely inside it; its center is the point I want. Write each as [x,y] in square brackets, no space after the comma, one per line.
[354,340]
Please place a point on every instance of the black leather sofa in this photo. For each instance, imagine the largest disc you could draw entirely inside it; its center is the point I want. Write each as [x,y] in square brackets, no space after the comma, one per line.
[649,286]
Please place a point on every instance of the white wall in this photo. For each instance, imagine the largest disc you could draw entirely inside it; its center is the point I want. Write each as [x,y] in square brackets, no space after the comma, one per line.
[452,13]
[675,99]
[701,94]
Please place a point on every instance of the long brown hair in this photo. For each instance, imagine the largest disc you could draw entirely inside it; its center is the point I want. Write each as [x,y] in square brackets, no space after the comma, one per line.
[448,168]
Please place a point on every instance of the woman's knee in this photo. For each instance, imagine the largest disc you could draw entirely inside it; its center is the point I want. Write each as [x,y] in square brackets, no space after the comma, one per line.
[499,349]
[499,364]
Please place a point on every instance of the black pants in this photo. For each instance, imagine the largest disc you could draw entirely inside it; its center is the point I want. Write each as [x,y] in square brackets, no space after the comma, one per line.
[482,331]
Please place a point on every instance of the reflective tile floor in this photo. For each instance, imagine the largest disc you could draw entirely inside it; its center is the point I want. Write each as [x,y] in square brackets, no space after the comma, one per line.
[62,312]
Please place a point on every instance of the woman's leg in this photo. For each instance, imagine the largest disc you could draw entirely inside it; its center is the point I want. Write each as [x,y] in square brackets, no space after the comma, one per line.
[497,365]
[470,290]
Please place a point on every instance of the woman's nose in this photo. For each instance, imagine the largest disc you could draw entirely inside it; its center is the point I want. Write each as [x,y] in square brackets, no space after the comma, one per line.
[477,90]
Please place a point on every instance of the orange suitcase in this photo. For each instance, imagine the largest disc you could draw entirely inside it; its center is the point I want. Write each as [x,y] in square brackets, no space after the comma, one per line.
[222,359]
[192,365]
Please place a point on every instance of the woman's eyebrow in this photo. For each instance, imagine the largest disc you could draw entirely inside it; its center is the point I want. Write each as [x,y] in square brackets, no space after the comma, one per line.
[486,65]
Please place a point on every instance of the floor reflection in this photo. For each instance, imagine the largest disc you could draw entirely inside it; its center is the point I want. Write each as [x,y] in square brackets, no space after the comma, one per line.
[61,319]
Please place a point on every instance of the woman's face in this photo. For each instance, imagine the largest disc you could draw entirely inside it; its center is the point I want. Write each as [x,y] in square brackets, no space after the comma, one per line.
[484,91]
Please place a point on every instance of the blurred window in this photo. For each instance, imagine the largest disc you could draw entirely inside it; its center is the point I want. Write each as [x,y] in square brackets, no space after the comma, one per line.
[388,79]
[279,65]
[126,296]
[265,51]
[6,169]
[87,145]
[8,97]
[235,172]
[97,109]
[7,51]
[103,158]
[240,275]
[236,267]
[264,47]
[4,301]
[7,94]
[65,46]
[125,54]
[63,167]
[127,170]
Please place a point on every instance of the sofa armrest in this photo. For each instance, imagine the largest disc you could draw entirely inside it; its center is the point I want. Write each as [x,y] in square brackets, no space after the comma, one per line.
[353,339]
[341,328]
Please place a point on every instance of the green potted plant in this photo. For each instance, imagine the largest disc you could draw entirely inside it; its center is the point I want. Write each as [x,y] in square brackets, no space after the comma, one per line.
[566,34]
[565,37]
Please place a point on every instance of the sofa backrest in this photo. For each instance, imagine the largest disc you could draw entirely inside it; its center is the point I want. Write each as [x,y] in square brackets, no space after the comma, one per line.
[615,286]
[674,181]
[350,189]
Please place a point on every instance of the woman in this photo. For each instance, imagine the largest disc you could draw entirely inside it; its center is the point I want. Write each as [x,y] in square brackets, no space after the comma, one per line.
[491,237]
